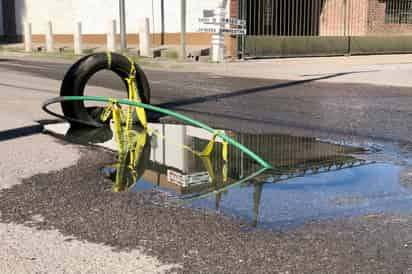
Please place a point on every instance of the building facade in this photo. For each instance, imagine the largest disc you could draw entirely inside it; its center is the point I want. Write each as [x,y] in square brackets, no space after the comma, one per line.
[265,18]
[95,15]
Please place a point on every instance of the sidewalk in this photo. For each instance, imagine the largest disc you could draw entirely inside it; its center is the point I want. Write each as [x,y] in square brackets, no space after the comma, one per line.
[387,70]
[392,70]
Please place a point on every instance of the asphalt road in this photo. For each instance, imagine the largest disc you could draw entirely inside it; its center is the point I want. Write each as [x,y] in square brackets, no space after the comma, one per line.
[58,215]
[300,107]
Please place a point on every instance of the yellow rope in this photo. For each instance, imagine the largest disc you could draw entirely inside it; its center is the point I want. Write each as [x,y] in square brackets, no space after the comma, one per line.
[132,142]
[109,60]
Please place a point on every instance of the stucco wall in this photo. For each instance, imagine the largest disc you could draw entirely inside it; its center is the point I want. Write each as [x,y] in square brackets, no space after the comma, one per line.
[95,14]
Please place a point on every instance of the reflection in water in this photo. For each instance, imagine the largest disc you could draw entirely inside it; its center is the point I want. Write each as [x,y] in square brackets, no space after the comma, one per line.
[165,157]
[365,189]
[88,135]
[132,162]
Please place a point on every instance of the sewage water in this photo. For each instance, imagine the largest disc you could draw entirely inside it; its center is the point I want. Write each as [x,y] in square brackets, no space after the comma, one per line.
[310,180]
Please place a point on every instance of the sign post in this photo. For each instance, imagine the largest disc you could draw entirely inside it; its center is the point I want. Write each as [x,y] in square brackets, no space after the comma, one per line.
[219,25]
[122,17]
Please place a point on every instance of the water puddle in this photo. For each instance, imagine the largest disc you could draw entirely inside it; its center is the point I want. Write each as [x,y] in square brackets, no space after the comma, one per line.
[310,180]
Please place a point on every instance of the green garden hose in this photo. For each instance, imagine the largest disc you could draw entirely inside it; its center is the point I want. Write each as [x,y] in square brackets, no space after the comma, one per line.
[179,116]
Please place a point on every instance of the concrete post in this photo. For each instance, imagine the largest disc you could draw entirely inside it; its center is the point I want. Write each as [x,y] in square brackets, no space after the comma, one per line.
[111,36]
[122,17]
[182,29]
[144,37]
[28,44]
[49,37]
[218,39]
[78,47]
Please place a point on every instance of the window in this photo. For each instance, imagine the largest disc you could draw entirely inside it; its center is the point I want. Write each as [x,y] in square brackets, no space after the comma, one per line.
[398,12]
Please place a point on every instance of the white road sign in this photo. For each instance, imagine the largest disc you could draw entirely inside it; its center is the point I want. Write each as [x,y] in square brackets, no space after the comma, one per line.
[232,31]
[229,21]
[235,31]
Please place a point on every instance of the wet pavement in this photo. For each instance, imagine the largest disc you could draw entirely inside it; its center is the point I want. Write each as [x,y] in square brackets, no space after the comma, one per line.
[200,240]
[355,219]
[311,180]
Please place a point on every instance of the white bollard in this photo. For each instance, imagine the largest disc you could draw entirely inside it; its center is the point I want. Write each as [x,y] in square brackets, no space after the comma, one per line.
[28,44]
[144,37]
[111,36]
[49,37]
[218,39]
[78,48]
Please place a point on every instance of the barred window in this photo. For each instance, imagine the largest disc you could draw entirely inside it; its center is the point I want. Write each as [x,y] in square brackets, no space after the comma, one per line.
[398,12]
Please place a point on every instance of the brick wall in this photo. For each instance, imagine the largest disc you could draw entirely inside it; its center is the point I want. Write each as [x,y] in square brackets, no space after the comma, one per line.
[233,8]
[231,41]
[343,17]
[376,21]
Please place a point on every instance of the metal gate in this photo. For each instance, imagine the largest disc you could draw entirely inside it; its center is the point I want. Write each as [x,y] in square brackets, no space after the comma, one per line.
[323,27]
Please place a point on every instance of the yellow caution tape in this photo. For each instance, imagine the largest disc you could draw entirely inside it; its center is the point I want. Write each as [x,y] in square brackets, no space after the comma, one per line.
[225,151]
[109,60]
[225,172]
[209,167]
[209,147]
[120,180]
[131,143]
[118,129]
[107,110]
[134,96]
[137,147]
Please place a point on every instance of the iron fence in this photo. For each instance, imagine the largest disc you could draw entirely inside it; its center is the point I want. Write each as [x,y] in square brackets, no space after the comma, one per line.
[304,17]
[398,12]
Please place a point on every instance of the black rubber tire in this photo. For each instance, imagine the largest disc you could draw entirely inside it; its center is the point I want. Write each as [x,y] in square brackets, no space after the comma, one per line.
[79,74]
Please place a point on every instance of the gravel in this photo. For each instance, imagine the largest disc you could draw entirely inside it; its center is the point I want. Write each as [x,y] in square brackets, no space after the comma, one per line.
[78,203]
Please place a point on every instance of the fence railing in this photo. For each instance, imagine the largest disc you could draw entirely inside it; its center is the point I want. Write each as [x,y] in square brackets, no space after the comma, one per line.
[305,17]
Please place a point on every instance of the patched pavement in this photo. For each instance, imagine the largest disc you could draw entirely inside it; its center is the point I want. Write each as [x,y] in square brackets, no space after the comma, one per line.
[54,196]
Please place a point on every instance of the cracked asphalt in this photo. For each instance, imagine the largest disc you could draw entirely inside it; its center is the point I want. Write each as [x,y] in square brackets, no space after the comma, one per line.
[73,199]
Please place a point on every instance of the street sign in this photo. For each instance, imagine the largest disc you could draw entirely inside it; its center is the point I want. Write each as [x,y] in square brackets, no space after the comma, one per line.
[235,31]
[232,31]
[219,24]
[226,21]
[231,25]
[236,22]
[209,29]
[208,20]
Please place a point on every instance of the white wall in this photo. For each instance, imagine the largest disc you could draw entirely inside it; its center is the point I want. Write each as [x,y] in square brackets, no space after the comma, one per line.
[96,13]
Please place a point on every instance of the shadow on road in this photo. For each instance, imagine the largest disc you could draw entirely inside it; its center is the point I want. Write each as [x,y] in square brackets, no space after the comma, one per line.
[29,88]
[216,97]
[20,132]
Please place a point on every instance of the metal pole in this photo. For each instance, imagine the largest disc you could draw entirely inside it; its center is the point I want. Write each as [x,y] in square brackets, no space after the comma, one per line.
[122,9]
[162,10]
[345,14]
[183,29]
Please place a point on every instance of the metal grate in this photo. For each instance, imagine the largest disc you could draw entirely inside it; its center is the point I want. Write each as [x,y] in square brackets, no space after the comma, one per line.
[398,12]
[304,17]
